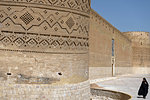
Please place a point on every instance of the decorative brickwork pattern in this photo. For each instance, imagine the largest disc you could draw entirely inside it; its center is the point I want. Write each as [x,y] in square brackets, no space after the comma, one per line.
[78,5]
[34,28]
[34,41]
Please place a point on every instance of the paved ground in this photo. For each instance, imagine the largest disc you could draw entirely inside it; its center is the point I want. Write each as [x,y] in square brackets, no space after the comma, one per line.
[126,84]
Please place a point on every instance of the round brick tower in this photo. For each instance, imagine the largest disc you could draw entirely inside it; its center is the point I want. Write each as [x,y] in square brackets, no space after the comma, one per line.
[44,49]
[140,51]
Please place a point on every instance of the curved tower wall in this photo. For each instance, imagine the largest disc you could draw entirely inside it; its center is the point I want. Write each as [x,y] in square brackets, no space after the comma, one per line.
[44,49]
[140,50]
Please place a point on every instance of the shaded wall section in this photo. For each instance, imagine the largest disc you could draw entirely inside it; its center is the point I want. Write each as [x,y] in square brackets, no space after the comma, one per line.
[101,61]
[140,50]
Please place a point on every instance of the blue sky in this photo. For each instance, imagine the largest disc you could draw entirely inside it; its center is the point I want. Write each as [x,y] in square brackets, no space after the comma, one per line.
[125,15]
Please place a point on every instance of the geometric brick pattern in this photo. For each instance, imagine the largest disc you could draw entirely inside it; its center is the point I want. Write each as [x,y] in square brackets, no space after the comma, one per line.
[45,29]
[26,18]
[79,5]
[45,42]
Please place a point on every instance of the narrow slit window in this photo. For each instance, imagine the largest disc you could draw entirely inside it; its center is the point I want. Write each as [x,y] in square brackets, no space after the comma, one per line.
[113,47]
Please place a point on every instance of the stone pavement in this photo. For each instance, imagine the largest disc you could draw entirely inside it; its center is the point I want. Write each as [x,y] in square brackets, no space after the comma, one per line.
[127,84]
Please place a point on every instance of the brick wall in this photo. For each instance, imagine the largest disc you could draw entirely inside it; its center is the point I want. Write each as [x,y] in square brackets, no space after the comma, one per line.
[100,50]
[141,48]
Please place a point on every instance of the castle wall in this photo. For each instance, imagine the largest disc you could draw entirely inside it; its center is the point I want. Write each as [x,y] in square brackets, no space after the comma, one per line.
[140,50]
[100,50]
[44,49]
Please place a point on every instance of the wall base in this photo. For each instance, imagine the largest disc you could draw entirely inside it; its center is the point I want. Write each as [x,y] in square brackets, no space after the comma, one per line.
[12,91]
[141,70]
[99,72]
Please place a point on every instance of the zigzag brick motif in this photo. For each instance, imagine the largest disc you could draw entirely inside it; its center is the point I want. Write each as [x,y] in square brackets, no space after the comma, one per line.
[33,41]
[38,28]
[79,5]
